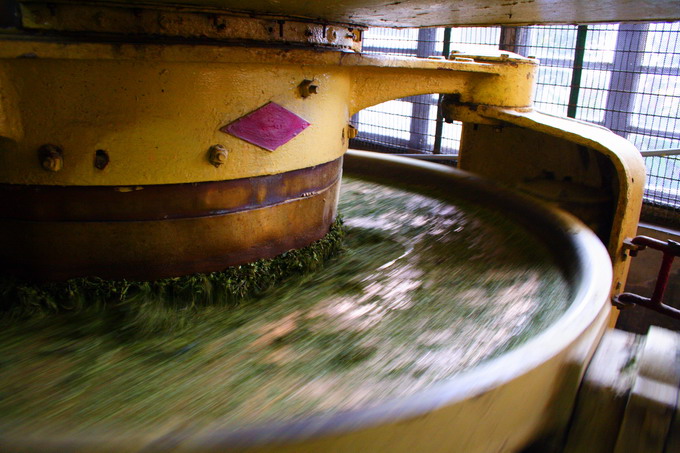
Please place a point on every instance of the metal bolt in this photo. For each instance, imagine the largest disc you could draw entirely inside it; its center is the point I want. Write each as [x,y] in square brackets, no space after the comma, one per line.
[352,131]
[217,155]
[101,159]
[51,157]
[307,88]
[219,23]
[353,35]
[331,34]
[356,35]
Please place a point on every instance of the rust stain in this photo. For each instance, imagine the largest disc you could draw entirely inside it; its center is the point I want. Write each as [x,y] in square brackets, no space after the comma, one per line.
[149,250]
[158,202]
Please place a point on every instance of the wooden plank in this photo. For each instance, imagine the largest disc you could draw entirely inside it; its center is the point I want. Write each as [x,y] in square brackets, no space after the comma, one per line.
[653,399]
[604,393]
[673,441]
[648,416]
[659,359]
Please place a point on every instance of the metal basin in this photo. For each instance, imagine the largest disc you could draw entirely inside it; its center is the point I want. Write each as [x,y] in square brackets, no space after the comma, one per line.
[500,405]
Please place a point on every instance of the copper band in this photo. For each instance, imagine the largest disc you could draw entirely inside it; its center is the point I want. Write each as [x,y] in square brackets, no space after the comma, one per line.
[51,250]
[161,202]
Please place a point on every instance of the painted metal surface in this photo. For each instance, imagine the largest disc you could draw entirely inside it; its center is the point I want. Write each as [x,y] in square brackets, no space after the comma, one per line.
[132,101]
[158,114]
[498,406]
[430,13]
[156,110]
[268,127]
[523,146]
[142,22]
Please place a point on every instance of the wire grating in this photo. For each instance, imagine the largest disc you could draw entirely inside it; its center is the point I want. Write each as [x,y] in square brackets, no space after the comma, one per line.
[625,77]
[554,47]
[383,127]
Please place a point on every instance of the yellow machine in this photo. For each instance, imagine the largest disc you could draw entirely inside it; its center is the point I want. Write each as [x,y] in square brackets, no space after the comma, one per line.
[90,124]
[212,133]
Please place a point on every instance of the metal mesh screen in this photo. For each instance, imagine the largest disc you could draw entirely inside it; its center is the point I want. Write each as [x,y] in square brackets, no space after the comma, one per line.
[625,77]
[412,124]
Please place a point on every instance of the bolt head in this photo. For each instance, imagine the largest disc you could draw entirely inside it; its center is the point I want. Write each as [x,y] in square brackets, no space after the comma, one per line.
[52,164]
[50,157]
[331,34]
[101,159]
[308,88]
[217,155]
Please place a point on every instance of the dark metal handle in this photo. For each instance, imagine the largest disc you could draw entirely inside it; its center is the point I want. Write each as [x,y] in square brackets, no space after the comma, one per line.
[670,250]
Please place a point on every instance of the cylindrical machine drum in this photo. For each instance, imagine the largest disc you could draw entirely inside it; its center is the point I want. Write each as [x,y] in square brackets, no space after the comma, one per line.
[499,405]
[158,150]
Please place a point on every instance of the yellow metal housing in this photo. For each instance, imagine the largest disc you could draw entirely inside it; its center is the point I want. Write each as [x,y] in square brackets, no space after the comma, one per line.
[157,110]
[583,168]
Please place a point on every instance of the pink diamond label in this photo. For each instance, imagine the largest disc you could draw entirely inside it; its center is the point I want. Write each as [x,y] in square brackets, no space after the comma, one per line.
[269,127]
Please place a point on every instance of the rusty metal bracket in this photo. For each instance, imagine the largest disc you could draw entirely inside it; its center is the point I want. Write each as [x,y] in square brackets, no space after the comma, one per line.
[670,250]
